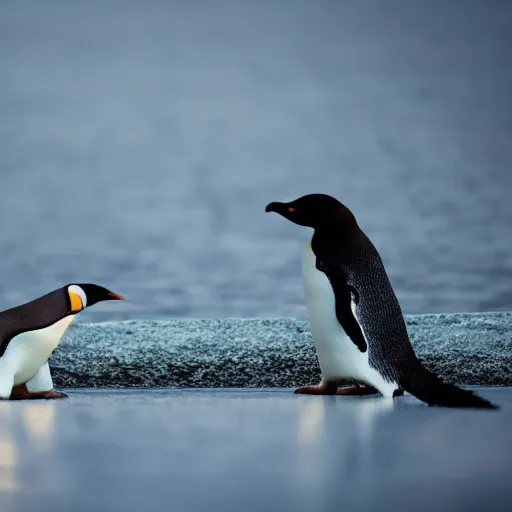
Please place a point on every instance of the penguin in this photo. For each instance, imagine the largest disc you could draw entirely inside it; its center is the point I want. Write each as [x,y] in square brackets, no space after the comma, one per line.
[30,333]
[356,321]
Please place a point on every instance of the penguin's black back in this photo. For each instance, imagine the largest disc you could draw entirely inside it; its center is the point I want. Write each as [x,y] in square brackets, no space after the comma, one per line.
[380,316]
[378,311]
[37,314]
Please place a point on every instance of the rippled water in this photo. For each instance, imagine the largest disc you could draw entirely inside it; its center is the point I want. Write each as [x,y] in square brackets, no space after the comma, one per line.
[140,143]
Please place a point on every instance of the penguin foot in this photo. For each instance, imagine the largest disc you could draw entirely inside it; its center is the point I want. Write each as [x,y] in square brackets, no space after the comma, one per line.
[21,392]
[53,393]
[357,390]
[316,390]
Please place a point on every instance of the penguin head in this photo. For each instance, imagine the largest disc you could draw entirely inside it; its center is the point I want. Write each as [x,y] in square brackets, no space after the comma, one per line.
[82,296]
[315,211]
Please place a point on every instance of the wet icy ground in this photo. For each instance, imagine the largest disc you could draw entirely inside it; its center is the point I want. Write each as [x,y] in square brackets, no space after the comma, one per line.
[252,450]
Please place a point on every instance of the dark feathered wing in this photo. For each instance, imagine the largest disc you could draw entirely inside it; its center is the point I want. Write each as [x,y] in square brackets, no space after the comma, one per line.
[343,297]
[37,314]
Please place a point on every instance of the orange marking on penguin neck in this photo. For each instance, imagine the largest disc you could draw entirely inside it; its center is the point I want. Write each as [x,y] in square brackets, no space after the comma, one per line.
[76,302]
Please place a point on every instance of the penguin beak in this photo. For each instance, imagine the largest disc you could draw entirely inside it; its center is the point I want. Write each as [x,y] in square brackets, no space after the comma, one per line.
[290,211]
[114,296]
[275,207]
[284,209]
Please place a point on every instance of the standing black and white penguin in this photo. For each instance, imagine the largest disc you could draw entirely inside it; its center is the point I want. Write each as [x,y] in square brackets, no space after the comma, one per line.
[356,321]
[31,332]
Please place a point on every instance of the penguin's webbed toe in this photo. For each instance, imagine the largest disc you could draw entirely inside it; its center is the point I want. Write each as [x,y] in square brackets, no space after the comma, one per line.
[358,390]
[315,390]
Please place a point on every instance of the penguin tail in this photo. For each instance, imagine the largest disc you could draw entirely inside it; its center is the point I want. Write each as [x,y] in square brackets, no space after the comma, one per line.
[430,389]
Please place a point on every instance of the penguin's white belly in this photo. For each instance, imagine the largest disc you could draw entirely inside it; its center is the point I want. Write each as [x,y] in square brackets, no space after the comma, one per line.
[28,351]
[338,356]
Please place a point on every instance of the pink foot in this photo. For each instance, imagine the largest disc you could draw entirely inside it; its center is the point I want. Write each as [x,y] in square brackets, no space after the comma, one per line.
[21,392]
[316,390]
[357,390]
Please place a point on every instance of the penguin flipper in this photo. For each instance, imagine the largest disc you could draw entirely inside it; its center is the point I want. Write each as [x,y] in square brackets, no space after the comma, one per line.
[343,300]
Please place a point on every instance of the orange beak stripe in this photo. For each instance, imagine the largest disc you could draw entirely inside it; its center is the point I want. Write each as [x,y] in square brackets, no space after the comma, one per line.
[291,209]
[115,296]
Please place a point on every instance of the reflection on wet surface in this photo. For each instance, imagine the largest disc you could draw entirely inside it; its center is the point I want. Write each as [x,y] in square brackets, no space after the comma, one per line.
[39,424]
[251,450]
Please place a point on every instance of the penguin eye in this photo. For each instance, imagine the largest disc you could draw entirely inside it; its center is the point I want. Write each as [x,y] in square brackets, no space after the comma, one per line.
[291,209]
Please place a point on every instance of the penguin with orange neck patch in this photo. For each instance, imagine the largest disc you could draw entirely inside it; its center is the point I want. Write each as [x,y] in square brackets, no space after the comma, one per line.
[356,321]
[31,332]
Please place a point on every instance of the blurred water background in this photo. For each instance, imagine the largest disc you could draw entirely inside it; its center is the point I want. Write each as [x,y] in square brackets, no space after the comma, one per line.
[141,141]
